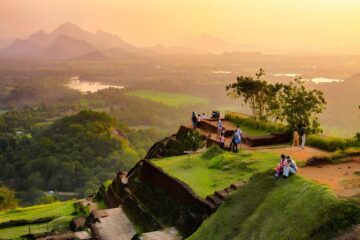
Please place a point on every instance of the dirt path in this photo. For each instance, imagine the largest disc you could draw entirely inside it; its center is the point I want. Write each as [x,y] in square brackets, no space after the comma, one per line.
[343,179]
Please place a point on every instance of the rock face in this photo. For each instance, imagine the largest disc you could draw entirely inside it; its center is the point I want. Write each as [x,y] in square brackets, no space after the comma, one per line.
[152,199]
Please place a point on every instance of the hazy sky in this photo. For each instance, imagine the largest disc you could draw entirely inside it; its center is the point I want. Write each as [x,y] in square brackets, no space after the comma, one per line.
[275,24]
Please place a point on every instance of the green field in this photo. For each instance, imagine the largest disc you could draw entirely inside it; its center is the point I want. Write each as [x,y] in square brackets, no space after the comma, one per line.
[215,171]
[285,209]
[39,211]
[62,212]
[16,232]
[169,99]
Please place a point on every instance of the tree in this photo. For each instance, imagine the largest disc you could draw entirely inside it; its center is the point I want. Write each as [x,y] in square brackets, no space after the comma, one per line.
[7,199]
[291,103]
[252,91]
[301,106]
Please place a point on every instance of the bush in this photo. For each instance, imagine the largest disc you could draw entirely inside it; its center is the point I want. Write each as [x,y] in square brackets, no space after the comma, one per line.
[250,122]
[331,143]
[213,151]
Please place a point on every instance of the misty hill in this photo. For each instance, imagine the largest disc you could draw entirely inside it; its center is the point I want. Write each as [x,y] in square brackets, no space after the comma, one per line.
[66,41]
[21,49]
[96,56]
[213,44]
[65,47]
[100,39]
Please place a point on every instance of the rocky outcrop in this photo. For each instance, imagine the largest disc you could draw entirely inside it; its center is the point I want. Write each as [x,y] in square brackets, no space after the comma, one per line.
[153,200]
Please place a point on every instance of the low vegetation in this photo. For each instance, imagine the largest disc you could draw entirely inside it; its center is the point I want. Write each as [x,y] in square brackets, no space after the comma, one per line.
[215,169]
[169,99]
[291,209]
[255,127]
[38,219]
[332,143]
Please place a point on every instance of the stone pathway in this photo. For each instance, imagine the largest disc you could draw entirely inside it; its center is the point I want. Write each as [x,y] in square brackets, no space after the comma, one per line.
[166,234]
[114,225]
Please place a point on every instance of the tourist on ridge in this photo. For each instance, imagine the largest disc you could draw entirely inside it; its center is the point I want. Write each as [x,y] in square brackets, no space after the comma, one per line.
[296,140]
[237,139]
[280,167]
[194,120]
[219,127]
[303,135]
[199,118]
[289,167]
[203,117]
[222,141]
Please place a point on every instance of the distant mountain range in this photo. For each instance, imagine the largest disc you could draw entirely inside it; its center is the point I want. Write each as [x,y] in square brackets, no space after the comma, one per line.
[69,41]
[66,42]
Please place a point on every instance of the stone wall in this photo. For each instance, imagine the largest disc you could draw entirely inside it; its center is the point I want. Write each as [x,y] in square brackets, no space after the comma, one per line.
[153,199]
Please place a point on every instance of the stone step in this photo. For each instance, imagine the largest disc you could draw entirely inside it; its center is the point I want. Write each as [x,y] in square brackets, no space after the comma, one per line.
[166,234]
[216,200]
[222,194]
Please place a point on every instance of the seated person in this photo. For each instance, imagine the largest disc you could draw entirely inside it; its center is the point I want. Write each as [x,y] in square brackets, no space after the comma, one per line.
[289,167]
[280,167]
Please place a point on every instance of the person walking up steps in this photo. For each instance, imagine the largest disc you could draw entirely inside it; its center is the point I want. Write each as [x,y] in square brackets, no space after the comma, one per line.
[303,135]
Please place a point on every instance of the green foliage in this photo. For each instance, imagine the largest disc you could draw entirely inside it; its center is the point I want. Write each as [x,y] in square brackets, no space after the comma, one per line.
[76,153]
[253,92]
[300,106]
[291,102]
[331,143]
[265,127]
[292,209]
[211,152]
[7,199]
[193,141]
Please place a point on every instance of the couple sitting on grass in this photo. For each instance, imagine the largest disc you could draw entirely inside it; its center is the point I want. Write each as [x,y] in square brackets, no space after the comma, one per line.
[286,167]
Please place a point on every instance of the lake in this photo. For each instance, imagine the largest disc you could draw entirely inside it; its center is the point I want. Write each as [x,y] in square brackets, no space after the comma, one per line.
[85,86]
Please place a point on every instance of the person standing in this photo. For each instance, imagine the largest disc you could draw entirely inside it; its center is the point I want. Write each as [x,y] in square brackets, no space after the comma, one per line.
[203,117]
[219,127]
[194,120]
[296,140]
[222,141]
[303,135]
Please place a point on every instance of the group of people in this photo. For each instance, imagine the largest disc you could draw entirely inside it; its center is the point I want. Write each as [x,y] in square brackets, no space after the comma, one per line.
[235,140]
[300,131]
[197,119]
[286,167]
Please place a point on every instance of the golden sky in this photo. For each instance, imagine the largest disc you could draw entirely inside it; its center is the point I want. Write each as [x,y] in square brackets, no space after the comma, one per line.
[274,24]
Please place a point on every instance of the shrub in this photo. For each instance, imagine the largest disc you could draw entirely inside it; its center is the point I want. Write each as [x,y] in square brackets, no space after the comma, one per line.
[240,119]
[331,143]
[216,162]
[213,151]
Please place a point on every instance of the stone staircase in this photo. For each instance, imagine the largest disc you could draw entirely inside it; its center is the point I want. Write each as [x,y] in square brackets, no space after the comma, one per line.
[216,199]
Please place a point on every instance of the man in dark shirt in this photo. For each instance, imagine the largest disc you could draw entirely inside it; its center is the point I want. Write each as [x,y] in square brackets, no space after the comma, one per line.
[303,135]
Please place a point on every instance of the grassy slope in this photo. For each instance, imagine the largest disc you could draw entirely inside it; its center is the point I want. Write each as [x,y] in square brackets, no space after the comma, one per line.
[292,209]
[170,99]
[38,211]
[16,232]
[217,172]
[61,211]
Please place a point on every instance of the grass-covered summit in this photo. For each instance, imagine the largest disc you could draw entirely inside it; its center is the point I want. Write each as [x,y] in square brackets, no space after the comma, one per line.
[216,169]
[75,153]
